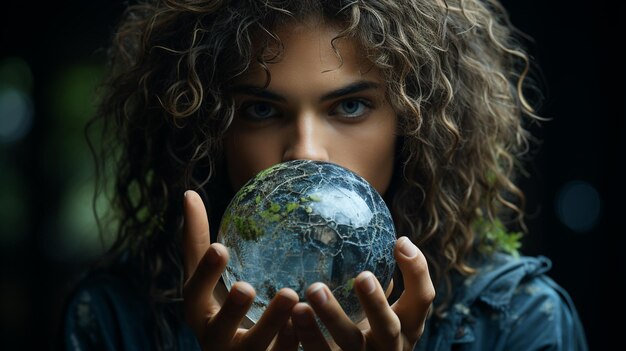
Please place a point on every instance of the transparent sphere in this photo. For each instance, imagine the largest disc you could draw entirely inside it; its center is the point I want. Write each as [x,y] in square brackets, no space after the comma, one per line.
[301,222]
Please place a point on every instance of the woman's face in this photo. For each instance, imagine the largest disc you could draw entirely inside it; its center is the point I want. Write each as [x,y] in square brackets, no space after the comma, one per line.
[315,108]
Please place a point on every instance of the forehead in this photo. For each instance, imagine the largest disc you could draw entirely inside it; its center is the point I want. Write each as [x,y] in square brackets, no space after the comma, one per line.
[312,46]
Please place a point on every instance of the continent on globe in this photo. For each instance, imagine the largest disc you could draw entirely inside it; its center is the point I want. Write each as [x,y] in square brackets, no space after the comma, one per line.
[301,222]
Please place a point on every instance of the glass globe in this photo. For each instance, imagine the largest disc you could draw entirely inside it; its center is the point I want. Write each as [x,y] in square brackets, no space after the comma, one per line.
[301,222]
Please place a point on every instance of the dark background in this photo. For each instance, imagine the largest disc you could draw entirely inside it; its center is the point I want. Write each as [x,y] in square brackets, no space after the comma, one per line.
[51,58]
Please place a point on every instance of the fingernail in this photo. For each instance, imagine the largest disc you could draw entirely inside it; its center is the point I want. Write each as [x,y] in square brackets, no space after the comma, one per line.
[301,319]
[213,255]
[407,248]
[239,296]
[317,294]
[185,194]
[284,302]
[368,285]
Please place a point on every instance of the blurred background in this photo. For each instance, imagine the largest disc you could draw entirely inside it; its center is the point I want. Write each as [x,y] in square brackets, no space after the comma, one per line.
[51,58]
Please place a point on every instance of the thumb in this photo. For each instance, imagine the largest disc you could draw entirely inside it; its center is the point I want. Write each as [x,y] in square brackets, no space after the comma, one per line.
[196,236]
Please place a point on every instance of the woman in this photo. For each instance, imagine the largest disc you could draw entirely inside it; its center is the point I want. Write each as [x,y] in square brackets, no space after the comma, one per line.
[424,99]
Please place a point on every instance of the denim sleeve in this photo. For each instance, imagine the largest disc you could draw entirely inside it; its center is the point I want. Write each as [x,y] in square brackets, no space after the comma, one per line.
[543,317]
[88,323]
[107,313]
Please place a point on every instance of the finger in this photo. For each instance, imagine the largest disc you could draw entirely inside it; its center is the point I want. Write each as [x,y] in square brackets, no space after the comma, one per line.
[274,317]
[385,325]
[344,332]
[307,330]
[221,329]
[413,304]
[198,291]
[389,289]
[196,238]
[286,339]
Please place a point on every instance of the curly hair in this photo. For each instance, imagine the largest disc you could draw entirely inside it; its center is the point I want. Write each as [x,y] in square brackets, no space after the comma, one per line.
[456,73]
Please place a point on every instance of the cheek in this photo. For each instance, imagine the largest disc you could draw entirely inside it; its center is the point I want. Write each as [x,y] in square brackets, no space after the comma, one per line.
[381,151]
[377,168]
[246,155]
[371,154]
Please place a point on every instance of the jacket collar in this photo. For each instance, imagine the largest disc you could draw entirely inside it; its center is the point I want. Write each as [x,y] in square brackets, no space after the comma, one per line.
[498,277]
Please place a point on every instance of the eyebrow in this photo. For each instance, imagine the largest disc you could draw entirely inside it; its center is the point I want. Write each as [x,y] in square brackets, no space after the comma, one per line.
[263,93]
[258,92]
[353,88]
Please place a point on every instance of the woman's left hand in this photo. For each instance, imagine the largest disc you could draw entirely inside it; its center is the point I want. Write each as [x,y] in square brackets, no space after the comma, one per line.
[387,327]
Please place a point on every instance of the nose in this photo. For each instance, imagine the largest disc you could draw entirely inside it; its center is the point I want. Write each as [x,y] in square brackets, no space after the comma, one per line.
[307,139]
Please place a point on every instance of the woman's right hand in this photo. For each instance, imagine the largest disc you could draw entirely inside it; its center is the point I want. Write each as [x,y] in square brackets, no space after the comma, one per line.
[217,323]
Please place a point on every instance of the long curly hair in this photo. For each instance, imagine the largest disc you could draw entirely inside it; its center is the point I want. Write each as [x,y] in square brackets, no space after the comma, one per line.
[456,74]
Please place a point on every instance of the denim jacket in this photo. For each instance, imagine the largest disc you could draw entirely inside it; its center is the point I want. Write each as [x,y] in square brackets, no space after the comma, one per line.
[510,304]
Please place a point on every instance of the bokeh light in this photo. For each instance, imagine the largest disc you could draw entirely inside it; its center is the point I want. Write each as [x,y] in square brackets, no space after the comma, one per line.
[78,238]
[16,103]
[71,98]
[578,205]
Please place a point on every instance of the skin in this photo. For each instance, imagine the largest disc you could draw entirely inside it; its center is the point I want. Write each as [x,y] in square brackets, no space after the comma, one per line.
[314,108]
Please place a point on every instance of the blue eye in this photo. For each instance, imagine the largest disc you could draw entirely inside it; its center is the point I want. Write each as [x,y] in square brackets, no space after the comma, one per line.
[351,108]
[260,110]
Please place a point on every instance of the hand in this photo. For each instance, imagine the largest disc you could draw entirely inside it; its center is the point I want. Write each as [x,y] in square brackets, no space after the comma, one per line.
[216,320]
[395,327]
